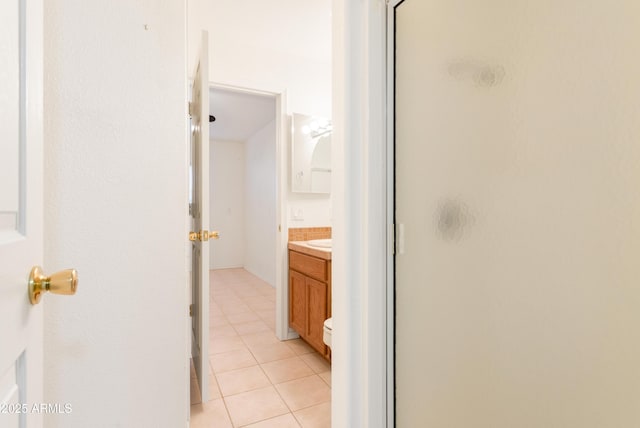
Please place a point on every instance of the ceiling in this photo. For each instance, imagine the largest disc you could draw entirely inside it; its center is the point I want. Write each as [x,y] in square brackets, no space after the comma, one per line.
[238,115]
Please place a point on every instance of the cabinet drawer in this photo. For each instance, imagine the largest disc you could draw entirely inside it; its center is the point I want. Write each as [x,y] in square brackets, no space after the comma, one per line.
[311,266]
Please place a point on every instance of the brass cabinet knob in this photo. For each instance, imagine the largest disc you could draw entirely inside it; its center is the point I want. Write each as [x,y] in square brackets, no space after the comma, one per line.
[63,282]
[204,235]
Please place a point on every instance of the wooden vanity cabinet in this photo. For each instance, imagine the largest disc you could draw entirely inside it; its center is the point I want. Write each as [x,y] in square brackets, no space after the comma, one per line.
[309,298]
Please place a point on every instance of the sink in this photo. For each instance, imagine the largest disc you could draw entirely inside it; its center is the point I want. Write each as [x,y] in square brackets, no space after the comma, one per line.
[320,243]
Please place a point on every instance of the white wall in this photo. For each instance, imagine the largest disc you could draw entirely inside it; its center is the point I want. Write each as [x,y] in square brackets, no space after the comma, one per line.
[115,209]
[227,213]
[281,45]
[243,192]
[315,208]
[269,45]
[260,209]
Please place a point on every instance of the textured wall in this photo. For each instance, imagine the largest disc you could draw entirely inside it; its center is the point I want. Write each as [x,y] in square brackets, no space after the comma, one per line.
[115,209]
[227,176]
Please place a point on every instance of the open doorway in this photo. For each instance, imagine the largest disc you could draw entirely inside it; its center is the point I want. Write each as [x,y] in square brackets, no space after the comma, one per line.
[254,376]
[243,182]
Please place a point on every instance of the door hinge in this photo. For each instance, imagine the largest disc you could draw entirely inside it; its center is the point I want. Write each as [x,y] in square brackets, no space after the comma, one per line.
[191,310]
[190,109]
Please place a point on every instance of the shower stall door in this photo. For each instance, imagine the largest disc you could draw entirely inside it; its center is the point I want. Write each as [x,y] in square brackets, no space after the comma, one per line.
[517,211]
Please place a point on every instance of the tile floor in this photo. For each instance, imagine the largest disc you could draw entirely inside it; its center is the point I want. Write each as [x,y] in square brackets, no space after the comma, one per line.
[257,380]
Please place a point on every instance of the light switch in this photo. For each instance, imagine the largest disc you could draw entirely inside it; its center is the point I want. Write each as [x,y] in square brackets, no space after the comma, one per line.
[297,214]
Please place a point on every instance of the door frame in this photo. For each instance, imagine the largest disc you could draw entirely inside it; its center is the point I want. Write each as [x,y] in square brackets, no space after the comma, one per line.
[362,355]
[281,156]
[391,250]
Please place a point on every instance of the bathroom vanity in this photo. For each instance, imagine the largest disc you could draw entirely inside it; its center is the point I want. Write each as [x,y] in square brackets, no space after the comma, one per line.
[310,293]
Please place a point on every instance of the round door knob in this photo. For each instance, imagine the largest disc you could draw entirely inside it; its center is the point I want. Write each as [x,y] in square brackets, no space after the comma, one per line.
[63,282]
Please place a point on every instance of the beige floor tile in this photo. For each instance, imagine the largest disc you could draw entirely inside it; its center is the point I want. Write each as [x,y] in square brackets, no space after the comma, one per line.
[270,351]
[247,356]
[228,300]
[315,416]
[214,389]
[251,327]
[271,324]
[255,300]
[263,306]
[235,308]
[232,360]
[326,377]
[254,406]
[287,369]
[305,392]
[218,292]
[284,421]
[300,347]
[266,289]
[247,291]
[214,309]
[222,330]
[266,315]
[210,414]
[242,380]
[262,338]
[242,317]
[231,276]
[225,344]
[217,321]
[316,362]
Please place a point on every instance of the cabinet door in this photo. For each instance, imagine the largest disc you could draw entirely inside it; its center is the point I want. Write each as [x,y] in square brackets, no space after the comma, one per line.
[317,304]
[297,302]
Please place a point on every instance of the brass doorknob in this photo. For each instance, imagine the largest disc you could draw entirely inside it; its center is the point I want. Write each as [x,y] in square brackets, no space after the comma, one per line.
[204,235]
[63,282]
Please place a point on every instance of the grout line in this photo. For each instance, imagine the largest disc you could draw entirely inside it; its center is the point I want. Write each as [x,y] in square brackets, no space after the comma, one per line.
[220,300]
[227,409]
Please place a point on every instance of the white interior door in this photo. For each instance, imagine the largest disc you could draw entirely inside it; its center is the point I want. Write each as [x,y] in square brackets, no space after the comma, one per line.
[517,184]
[20,210]
[200,218]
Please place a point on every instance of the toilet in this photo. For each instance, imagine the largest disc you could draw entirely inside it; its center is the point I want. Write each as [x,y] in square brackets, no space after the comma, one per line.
[326,334]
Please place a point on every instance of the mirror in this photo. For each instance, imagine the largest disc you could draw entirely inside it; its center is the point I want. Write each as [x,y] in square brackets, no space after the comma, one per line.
[310,154]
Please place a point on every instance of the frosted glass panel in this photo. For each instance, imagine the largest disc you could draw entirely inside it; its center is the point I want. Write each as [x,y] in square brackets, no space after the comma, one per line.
[518,188]
[10,114]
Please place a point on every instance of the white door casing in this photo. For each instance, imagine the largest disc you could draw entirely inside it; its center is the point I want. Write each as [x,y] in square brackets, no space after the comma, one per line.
[21,215]
[283,331]
[199,209]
